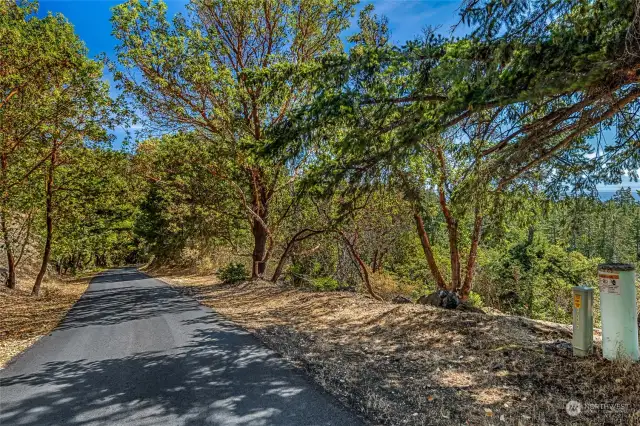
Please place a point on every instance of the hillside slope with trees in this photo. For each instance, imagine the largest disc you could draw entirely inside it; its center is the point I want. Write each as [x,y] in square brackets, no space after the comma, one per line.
[455,171]
[467,164]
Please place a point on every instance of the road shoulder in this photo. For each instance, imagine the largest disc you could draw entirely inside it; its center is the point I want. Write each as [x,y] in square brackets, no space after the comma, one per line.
[24,319]
[411,364]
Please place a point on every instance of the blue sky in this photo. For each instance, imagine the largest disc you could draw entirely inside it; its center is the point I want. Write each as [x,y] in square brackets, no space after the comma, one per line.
[407,19]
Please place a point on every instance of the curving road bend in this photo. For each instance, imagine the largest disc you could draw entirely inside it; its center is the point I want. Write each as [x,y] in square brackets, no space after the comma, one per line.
[133,351]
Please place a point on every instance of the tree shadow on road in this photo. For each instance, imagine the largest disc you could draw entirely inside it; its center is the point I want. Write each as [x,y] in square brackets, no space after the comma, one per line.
[222,375]
[117,306]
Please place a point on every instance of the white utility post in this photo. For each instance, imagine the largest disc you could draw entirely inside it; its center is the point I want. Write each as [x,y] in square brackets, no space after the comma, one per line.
[619,311]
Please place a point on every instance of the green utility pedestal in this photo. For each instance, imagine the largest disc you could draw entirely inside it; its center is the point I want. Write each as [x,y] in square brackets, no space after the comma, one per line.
[619,310]
[582,321]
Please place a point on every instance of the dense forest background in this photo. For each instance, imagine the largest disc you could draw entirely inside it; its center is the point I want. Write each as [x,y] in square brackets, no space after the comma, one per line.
[272,150]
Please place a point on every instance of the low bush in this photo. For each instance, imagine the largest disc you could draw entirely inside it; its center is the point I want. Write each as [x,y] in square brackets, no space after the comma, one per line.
[233,273]
[325,284]
[475,300]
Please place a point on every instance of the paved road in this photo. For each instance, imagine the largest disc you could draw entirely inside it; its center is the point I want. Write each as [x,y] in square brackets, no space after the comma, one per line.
[133,351]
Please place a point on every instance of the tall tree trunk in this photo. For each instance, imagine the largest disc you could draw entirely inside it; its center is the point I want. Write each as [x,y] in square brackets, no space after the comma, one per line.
[362,266]
[260,237]
[452,225]
[473,255]
[260,197]
[428,252]
[49,219]
[454,253]
[374,261]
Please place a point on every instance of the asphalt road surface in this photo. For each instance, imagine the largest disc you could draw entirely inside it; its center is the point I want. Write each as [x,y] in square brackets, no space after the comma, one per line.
[133,351]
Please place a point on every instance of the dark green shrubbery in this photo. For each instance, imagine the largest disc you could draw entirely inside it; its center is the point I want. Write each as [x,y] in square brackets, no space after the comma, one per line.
[325,284]
[534,277]
[312,274]
[233,273]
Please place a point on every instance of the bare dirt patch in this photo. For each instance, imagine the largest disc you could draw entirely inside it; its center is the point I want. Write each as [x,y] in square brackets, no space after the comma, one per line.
[24,318]
[418,365]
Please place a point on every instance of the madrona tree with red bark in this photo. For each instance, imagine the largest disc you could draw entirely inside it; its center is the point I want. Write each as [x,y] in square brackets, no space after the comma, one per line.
[458,123]
[205,72]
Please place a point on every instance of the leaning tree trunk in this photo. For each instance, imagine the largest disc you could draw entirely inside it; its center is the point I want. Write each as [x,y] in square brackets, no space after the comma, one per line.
[428,252]
[362,266]
[283,259]
[299,236]
[49,219]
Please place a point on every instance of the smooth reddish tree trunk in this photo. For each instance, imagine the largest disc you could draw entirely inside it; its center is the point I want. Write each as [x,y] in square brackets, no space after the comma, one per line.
[428,252]
[454,253]
[363,267]
[473,256]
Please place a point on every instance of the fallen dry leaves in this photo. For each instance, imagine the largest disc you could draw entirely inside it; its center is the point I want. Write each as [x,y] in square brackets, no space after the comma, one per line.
[418,365]
[24,319]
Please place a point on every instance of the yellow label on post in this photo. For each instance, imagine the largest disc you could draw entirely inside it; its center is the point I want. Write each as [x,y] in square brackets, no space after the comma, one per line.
[577,301]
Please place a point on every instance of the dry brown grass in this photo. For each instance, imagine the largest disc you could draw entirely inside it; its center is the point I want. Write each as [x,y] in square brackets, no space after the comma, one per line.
[24,319]
[417,365]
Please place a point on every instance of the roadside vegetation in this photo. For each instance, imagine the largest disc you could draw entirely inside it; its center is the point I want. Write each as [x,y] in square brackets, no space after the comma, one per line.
[454,171]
